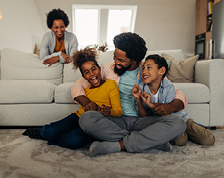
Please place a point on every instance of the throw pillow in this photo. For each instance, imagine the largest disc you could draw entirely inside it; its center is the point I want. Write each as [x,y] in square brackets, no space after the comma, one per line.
[169,63]
[181,71]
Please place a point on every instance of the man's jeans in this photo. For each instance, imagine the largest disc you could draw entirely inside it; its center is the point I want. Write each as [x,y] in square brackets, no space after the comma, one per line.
[66,133]
[138,134]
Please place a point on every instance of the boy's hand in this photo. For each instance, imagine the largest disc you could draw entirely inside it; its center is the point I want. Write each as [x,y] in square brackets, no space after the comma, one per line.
[105,110]
[92,106]
[136,91]
[146,98]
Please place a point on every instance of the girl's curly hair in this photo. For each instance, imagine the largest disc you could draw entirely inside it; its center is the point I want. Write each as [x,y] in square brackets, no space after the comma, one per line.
[79,57]
[56,14]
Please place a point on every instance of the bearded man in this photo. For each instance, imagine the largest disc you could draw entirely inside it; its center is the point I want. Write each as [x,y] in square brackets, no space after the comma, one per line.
[129,132]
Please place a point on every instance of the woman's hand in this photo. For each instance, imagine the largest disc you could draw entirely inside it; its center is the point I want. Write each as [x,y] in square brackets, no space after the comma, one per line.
[136,91]
[66,57]
[105,110]
[51,60]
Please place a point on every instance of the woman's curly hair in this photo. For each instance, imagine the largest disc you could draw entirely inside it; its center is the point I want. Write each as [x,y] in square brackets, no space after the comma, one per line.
[56,14]
[79,57]
[132,44]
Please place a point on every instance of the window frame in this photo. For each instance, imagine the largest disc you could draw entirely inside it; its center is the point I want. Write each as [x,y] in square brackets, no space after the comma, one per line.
[102,26]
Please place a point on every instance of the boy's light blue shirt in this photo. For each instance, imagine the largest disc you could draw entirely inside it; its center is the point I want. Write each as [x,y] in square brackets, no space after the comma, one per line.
[166,95]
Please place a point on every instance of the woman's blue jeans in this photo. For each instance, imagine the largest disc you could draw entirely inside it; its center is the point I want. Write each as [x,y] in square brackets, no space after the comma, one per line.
[66,133]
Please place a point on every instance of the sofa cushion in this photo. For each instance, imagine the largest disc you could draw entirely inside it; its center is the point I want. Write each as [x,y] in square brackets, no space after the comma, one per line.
[18,65]
[175,53]
[195,92]
[105,57]
[70,75]
[0,62]
[63,93]
[29,91]
[181,71]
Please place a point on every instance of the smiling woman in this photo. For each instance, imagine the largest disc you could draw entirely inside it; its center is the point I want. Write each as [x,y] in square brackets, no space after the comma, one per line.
[57,45]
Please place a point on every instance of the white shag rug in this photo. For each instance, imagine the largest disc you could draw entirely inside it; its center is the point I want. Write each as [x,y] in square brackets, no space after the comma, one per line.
[22,157]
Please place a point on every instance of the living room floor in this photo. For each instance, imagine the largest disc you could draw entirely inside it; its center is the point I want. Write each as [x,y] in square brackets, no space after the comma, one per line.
[32,158]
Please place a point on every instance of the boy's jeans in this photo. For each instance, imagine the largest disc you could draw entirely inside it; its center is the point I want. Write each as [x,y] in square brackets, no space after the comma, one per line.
[66,133]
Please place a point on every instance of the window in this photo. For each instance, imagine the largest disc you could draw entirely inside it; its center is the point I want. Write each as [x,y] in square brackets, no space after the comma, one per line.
[86,28]
[98,24]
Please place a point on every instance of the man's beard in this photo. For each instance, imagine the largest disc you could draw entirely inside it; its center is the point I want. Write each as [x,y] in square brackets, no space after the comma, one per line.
[122,70]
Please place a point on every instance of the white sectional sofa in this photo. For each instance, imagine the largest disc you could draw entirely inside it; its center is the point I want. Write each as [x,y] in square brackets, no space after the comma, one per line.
[33,94]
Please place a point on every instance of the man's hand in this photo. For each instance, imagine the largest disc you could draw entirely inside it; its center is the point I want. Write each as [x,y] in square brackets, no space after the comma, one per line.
[51,60]
[66,57]
[168,108]
[88,104]
[105,110]
[136,91]
[162,109]
[92,106]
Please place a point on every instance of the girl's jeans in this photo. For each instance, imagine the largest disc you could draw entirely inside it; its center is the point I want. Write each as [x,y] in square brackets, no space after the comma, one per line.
[66,133]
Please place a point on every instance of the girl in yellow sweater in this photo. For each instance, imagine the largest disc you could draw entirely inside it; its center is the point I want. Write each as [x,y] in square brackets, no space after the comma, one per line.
[104,93]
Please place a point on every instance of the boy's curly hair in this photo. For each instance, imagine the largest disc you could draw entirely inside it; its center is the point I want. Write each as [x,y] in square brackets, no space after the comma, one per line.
[132,44]
[56,14]
[79,57]
[160,61]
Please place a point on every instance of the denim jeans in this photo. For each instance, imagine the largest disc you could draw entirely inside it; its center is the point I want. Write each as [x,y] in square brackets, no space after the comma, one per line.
[66,133]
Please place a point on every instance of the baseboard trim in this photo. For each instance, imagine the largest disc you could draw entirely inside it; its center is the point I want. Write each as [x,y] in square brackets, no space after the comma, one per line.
[17,127]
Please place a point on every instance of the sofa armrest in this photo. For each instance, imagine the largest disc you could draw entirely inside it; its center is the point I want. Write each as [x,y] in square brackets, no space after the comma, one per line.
[201,74]
[211,74]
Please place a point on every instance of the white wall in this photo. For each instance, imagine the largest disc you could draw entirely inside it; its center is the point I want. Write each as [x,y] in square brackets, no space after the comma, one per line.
[20,25]
[164,24]
[167,24]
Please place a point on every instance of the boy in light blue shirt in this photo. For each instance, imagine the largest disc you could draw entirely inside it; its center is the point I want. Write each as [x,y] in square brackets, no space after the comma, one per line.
[155,89]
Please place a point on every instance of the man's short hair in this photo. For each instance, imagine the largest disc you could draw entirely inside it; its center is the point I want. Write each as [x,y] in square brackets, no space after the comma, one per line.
[132,44]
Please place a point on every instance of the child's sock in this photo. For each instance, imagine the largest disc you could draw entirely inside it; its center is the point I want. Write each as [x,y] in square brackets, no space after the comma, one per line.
[33,133]
[100,148]
[165,147]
